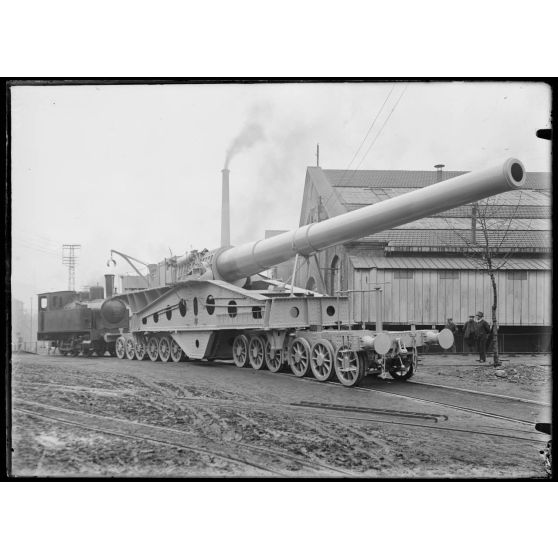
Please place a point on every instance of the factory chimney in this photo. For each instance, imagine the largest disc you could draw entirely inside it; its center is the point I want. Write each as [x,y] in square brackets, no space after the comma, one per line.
[225,210]
[439,168]
[109,284]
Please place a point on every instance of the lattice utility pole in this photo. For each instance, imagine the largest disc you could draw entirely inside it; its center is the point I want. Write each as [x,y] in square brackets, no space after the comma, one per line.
[69,258]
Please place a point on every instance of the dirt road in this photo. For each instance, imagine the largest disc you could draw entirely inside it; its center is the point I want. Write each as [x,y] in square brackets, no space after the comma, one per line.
[105,417]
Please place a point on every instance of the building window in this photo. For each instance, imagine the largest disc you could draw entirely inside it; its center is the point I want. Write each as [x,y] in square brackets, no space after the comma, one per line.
[448,274]
[516,275]
[335,276]
[403,274]
[44,302]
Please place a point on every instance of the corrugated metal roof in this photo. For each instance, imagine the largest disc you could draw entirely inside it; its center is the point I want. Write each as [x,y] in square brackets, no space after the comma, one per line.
[501,212]
[413,178]
[461,224]
[352,195]
[395,262]
[448,238]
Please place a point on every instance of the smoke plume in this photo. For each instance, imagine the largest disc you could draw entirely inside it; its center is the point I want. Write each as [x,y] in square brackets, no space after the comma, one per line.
[251,133]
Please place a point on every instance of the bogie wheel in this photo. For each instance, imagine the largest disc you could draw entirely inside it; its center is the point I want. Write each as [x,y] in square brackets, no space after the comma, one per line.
[130,348]
[322,360]
[299,357]
[256,352]
[153,348]
[273,358]
[141,349]
[349,366]
[175,351]
[240,351]
[165,348]
[120,347]
[401,369]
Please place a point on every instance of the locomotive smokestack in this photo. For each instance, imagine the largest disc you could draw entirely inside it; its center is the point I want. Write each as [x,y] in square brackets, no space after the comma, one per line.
[225,210]
[109,285]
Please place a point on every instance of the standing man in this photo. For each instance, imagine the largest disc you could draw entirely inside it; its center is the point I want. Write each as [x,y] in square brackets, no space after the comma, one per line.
[483,329]
[453,328]
[470,334]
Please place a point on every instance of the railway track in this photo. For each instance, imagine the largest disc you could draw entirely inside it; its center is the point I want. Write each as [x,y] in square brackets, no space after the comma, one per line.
[167,436]
[345,413]
[394,390]
[350,413]
[488,394]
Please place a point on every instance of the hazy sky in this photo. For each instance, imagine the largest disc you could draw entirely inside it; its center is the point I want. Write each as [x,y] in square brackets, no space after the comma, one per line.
[137,167]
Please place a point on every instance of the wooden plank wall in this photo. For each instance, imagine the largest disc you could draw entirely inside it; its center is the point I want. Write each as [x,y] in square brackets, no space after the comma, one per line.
[428,299]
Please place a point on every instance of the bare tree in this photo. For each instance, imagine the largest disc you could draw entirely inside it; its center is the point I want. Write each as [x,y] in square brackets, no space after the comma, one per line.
[489,245]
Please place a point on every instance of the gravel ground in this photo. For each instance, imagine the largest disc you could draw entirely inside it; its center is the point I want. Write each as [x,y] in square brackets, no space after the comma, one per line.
[104,417]
[527,376]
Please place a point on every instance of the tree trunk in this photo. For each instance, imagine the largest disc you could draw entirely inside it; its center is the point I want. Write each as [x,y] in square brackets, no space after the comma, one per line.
[494,320]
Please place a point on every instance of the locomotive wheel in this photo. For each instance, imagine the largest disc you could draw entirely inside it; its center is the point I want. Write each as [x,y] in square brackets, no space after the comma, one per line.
[153,348]
[322,360]
[130,349]
[240,351]
[165,348]
[175,351]
[349,366]
[141,350]
[256,352]
[299,357]
[401,370]
[120,347]
[273,358]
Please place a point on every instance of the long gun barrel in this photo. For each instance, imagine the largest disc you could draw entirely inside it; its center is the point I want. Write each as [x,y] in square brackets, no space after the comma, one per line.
[245,260]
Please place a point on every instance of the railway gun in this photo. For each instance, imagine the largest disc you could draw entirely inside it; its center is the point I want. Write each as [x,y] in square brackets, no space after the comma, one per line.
[217,304]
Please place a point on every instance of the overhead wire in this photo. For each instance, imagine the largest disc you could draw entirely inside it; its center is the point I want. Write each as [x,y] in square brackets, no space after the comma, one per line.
[31,246]
[380,131]
[37,237]
[362,143]
[368,132]
[373,141]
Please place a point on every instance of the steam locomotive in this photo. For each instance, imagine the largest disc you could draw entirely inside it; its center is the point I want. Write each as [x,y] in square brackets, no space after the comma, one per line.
[82,323]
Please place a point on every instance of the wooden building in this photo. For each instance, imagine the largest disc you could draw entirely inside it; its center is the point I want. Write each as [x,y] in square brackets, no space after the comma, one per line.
[423,270]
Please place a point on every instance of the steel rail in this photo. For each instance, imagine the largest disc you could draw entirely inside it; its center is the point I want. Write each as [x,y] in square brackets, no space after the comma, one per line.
[265,451]
[466,390]
[144,438]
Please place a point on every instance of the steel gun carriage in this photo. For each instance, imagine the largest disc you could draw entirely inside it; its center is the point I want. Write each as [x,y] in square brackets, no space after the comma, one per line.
[214,305]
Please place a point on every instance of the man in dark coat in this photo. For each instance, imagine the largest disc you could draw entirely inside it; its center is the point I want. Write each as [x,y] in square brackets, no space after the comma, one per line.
[470,334]
[483,329]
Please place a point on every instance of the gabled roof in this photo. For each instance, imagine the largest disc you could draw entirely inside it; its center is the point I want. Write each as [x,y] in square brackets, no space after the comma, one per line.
[413,178]
[526,211]
[365,261]
[448,238]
